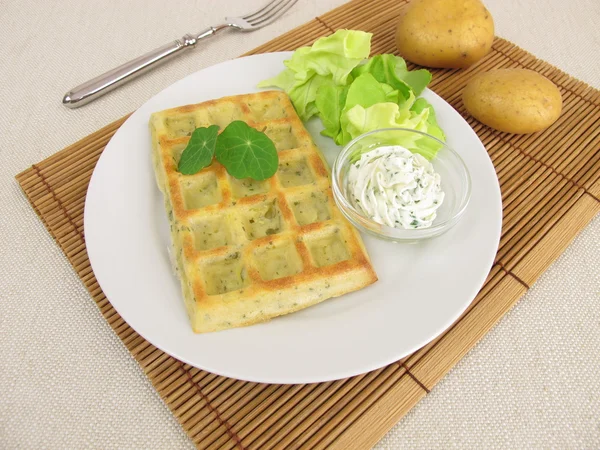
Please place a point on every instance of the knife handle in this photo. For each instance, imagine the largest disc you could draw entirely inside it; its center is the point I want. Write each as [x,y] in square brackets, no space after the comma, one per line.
[90,90]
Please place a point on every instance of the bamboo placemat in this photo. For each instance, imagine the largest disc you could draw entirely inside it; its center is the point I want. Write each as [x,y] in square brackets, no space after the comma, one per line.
[550,185]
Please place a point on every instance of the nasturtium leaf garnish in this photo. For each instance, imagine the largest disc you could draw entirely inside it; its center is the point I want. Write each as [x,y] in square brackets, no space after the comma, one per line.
[199,151]
[246,152]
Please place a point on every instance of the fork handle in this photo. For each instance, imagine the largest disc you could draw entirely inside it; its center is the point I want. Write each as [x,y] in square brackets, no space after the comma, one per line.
[91,90]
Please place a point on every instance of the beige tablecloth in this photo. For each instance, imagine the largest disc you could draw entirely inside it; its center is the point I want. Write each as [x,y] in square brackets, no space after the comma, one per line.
[66,379]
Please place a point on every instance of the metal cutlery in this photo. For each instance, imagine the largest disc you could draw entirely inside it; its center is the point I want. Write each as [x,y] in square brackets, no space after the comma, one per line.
[91,90]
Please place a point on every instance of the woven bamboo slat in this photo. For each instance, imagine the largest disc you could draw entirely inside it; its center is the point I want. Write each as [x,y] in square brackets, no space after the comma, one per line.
[550,184]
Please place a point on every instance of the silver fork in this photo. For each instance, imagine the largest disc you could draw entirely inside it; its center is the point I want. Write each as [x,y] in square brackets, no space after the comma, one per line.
[91,90]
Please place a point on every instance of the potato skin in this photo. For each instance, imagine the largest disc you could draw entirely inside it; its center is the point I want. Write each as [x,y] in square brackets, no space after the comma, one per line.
[445,33]
[518,101]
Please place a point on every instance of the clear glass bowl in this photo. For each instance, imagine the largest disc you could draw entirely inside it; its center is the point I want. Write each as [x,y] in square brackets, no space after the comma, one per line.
[455,182]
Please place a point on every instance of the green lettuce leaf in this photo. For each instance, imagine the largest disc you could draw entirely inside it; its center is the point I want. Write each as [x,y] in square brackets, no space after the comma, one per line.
[331,58]
[382,68]
[330,102]
[364,91]
[284,80]
[360,120]
[391,94]
[392,70]
[427,145]
[433,127]
[334,55]
[352,95]
[304,96]
[416,79]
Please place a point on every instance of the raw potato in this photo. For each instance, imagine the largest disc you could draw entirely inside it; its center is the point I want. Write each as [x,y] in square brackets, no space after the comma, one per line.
[445,33]
[517,101]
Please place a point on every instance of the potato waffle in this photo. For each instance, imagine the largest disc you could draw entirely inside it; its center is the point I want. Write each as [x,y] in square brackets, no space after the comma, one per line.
[246,251]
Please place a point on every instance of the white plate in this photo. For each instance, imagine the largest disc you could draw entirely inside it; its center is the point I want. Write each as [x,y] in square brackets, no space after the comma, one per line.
[421,290]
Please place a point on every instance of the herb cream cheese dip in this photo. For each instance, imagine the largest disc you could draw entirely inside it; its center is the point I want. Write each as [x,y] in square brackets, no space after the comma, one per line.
[395,187]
